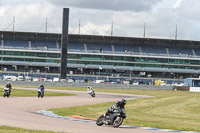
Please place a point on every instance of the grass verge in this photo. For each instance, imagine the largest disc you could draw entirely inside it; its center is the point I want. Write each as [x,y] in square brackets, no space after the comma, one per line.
[167,110]
[6,129]
[34,93]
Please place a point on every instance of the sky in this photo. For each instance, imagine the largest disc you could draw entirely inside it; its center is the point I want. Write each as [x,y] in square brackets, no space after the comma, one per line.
[160,17]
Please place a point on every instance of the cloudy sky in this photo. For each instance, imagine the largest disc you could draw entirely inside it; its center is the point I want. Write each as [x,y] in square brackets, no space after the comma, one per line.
[96,16]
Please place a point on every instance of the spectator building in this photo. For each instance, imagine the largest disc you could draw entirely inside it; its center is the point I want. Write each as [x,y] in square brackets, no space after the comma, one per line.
[100,55]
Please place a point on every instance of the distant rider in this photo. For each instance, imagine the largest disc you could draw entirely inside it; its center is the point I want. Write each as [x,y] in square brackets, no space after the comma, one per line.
[8,85]
[90,90]
[41,88]
[117,106]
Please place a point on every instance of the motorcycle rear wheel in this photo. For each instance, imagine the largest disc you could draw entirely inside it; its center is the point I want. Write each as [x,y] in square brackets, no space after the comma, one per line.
[117,122]
[42,94]
[99,121]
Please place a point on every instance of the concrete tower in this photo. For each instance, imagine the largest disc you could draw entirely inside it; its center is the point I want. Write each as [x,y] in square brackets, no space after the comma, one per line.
[64,43]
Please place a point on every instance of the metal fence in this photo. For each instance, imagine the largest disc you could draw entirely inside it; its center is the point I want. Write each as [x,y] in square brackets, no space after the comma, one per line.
[84,85]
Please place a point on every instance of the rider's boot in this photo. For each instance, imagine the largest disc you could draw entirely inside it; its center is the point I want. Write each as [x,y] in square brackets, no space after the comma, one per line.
[104,120]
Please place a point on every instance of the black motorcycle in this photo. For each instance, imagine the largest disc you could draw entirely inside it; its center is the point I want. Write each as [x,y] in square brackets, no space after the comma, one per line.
[6,92]
[40,93]
[116,118]
[92,93]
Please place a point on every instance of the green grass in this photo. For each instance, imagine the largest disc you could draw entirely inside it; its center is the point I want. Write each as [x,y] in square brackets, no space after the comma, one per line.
[167,110]
[58,88]
[5,129]
[33,93]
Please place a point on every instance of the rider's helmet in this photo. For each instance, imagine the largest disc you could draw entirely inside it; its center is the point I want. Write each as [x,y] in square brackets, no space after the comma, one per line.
[89,88]
[8,84]
[41,85]
[123,102]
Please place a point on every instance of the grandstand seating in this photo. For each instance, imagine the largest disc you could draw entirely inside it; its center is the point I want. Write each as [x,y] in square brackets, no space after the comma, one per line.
[16,44]
[128,49]
[152,50]
[103,48]
[99,48]
[43,45]
[76,47]
[180,52]
[197,52]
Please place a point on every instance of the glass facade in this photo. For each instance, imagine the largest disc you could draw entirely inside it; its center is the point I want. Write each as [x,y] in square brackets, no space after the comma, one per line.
[103,59]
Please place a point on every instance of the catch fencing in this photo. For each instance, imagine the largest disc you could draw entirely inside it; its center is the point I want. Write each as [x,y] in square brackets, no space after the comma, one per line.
[84,85]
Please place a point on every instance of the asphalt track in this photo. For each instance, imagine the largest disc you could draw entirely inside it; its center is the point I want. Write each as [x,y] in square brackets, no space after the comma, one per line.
[22,112]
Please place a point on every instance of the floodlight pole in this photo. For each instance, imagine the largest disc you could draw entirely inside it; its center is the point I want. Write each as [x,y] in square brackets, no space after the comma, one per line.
[14,23]
[46,25]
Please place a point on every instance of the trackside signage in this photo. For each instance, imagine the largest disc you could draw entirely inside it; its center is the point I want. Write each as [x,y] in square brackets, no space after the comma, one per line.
[195,89]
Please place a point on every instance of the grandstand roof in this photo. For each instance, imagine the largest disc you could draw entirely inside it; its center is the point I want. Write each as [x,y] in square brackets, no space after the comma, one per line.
[100,39]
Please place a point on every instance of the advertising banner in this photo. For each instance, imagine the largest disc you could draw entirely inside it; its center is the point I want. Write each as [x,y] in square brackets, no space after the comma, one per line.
[195,89]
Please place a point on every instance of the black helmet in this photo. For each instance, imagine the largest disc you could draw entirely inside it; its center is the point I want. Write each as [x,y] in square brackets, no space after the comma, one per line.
[41,85]
[123,102]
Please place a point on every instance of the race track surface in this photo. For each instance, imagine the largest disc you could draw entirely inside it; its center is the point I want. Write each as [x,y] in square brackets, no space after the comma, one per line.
[21,112]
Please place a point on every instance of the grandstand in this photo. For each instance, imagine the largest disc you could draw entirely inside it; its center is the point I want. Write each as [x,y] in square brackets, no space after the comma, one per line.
[121,56]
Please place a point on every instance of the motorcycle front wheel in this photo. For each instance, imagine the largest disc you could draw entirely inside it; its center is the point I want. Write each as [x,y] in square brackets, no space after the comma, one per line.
[39,93]
[117,121]
[99,121]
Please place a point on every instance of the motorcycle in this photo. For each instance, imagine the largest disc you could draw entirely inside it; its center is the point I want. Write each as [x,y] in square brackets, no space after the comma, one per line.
[116,118]
[92,93]
[40,93]
[6,92]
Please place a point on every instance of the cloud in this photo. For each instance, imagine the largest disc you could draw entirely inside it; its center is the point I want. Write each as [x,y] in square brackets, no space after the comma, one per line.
[96,17]
[30,17]
[177,4]
[117,5]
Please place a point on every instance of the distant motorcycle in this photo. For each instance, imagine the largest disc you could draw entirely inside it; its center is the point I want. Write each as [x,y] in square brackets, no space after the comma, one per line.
[91,92]
[6,92]
[116,118]
[40,93]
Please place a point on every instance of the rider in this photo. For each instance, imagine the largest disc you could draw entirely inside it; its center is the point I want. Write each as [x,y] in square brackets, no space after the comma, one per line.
[90,90]
[117,106]
[41,91]
[8,85]
[41,87]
